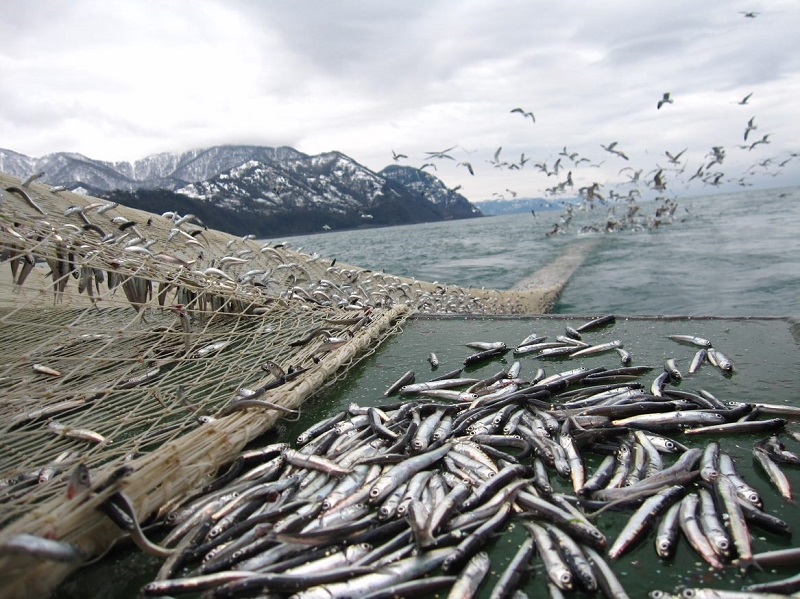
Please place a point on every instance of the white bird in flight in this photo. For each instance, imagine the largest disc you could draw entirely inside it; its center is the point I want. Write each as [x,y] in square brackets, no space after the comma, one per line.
[610,148]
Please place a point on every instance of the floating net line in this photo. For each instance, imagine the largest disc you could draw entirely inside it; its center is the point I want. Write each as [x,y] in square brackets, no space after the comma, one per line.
[128,338]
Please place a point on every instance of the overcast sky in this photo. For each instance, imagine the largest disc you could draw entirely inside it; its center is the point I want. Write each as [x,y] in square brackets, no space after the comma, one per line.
[118,80]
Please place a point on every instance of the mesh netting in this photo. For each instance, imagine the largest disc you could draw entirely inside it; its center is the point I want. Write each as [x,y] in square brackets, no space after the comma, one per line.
[129,338]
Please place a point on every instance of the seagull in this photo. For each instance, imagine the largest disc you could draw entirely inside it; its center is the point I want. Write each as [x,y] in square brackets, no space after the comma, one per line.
[396,157]
[524,113]
[718,153]
[698,174]
[744,100]
[751,126]
[431,164]
[496,160]
[610,148]
[674,159]
[468,165]
[591,193]
[665,99]
[442,154]
[634,178]
[763,140]
[749,14]
[658,181]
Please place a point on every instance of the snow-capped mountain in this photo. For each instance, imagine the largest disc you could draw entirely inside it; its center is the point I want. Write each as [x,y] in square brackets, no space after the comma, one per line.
[432,188]
[275,187]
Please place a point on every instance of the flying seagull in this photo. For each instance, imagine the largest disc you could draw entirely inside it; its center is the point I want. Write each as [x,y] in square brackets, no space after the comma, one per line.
[610,148]
[442,154]
[468,165]
[674,159]
[751,126]
[763,140]
[744,100]
[496,160]
[658,181]
[749,14]
[524,113]
[396,157]
[665,99]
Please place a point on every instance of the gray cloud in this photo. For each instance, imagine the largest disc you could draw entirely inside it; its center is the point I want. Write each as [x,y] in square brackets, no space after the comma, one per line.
[119,79]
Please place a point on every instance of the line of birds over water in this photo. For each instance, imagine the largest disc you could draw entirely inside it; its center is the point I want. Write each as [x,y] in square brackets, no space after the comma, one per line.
[664,180]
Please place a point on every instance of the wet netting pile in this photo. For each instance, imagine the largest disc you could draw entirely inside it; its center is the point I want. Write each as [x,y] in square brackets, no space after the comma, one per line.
[152,347]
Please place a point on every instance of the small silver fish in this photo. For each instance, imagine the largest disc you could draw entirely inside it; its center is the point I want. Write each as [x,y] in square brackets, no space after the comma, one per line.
[42,369]
[83,434]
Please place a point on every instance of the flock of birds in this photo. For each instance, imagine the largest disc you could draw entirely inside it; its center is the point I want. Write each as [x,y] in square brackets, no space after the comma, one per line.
[662,181]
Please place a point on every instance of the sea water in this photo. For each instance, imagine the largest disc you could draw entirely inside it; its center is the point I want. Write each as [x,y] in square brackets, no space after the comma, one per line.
[734,254]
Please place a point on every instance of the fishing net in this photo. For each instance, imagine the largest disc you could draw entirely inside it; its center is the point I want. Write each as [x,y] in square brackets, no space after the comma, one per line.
[134,339]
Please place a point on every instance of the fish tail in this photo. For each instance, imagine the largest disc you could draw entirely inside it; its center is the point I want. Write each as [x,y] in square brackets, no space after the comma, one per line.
[747,563]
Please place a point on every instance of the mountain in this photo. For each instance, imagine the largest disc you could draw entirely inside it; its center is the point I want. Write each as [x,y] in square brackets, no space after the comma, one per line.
[517,206]
[255,189]
[453,204]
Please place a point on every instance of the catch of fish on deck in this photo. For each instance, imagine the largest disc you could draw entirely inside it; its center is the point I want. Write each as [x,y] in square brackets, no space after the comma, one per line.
[404,498]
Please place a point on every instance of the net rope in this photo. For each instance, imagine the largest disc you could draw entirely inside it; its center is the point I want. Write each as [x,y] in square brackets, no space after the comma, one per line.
[126,337]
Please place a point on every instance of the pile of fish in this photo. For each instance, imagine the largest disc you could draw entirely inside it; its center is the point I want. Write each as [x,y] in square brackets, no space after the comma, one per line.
[404,498]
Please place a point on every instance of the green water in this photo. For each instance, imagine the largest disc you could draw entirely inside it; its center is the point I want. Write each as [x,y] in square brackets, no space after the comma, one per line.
[765,355]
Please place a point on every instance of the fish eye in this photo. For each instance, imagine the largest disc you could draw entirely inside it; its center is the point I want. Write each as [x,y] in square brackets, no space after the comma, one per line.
[688,593]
